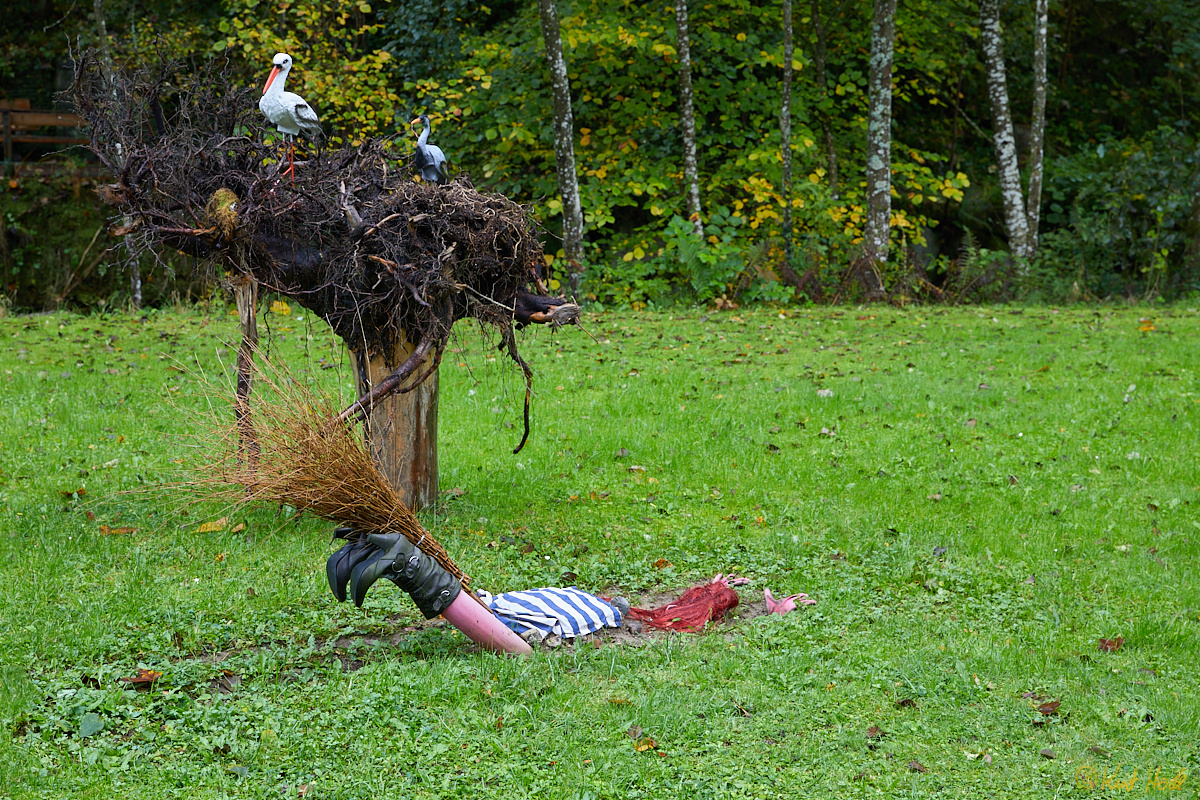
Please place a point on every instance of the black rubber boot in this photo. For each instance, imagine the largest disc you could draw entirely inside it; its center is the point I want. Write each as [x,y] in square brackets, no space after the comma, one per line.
[431,587]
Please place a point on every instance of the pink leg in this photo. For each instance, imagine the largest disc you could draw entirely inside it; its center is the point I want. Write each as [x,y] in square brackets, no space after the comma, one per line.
[482,627]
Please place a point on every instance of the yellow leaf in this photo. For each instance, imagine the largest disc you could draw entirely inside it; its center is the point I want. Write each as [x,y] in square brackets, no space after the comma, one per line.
[741,37]
[214,526]
[280,307]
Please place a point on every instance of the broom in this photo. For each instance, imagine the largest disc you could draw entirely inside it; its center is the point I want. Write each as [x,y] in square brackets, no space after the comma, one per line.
[311,462]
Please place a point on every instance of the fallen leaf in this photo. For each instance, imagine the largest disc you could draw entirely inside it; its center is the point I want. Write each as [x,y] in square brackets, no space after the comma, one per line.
[983,387]
[457,491]
[90,515]
[934,497]
[1049,708]
[636,468]
[644,744]
[875,732]
[1111,645]
[107,531]
[280,307]
[937,551]
[622,453]
[1076,487]
[907,702]
[1030,580]
[143,680]
[830,432]
[917,766]
[1047,753]
[80,492]
[1100,751]
[619,701]
[241,526]
[970,423]
[824,392]
[662,563]
[1013,480]
[634,731]
[214,526]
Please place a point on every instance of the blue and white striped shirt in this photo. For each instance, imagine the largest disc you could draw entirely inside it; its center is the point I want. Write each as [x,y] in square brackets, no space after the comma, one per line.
[567,612]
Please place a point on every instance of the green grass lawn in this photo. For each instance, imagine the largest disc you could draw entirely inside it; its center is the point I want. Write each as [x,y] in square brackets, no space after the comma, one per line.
[1050,452]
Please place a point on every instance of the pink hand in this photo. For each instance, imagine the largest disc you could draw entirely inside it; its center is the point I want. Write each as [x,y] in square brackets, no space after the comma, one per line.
[786,604]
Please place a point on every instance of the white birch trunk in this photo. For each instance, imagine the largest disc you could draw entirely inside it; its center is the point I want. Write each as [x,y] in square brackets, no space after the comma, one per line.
[691,174]
[1015,218]
[785,131]
[1037,141]
[879,145]
[564,144]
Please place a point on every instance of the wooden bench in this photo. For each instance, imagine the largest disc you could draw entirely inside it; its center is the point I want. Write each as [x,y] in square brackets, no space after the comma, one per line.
[18,123]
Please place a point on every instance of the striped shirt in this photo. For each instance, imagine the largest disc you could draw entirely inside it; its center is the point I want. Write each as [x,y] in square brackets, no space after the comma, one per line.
[566,612]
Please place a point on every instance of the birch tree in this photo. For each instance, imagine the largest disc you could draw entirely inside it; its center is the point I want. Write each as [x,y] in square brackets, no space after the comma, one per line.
[564,144]
[785,132]
[1038,137]
[1020,218]
[879,147]
[687,118]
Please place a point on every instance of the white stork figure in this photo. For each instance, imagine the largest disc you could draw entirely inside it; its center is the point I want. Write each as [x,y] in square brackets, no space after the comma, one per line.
[289,112]
[431,161]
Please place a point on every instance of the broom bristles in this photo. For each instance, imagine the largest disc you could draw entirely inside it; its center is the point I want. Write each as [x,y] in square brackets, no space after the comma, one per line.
[310,461]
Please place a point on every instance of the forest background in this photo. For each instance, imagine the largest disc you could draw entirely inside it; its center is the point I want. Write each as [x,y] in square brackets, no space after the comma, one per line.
[1119,211]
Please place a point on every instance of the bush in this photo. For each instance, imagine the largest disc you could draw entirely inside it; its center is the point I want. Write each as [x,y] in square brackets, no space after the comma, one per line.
[1122,217]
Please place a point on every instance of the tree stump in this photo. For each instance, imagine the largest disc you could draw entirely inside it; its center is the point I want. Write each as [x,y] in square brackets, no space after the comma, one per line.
[402,428]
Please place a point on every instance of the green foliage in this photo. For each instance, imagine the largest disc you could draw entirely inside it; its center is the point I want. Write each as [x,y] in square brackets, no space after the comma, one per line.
[1125,213]
[1119,71]
[55,250]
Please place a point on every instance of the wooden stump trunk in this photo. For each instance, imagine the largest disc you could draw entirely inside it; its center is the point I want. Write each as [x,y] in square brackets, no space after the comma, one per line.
[402,429]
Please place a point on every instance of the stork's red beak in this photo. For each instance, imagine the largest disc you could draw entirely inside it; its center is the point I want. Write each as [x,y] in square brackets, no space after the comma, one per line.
[274,71]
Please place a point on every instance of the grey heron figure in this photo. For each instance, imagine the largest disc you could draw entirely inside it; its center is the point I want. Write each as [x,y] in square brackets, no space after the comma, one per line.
[430,159]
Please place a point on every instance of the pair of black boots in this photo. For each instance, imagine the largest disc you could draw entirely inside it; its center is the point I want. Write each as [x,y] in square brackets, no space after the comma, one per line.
[366,559]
